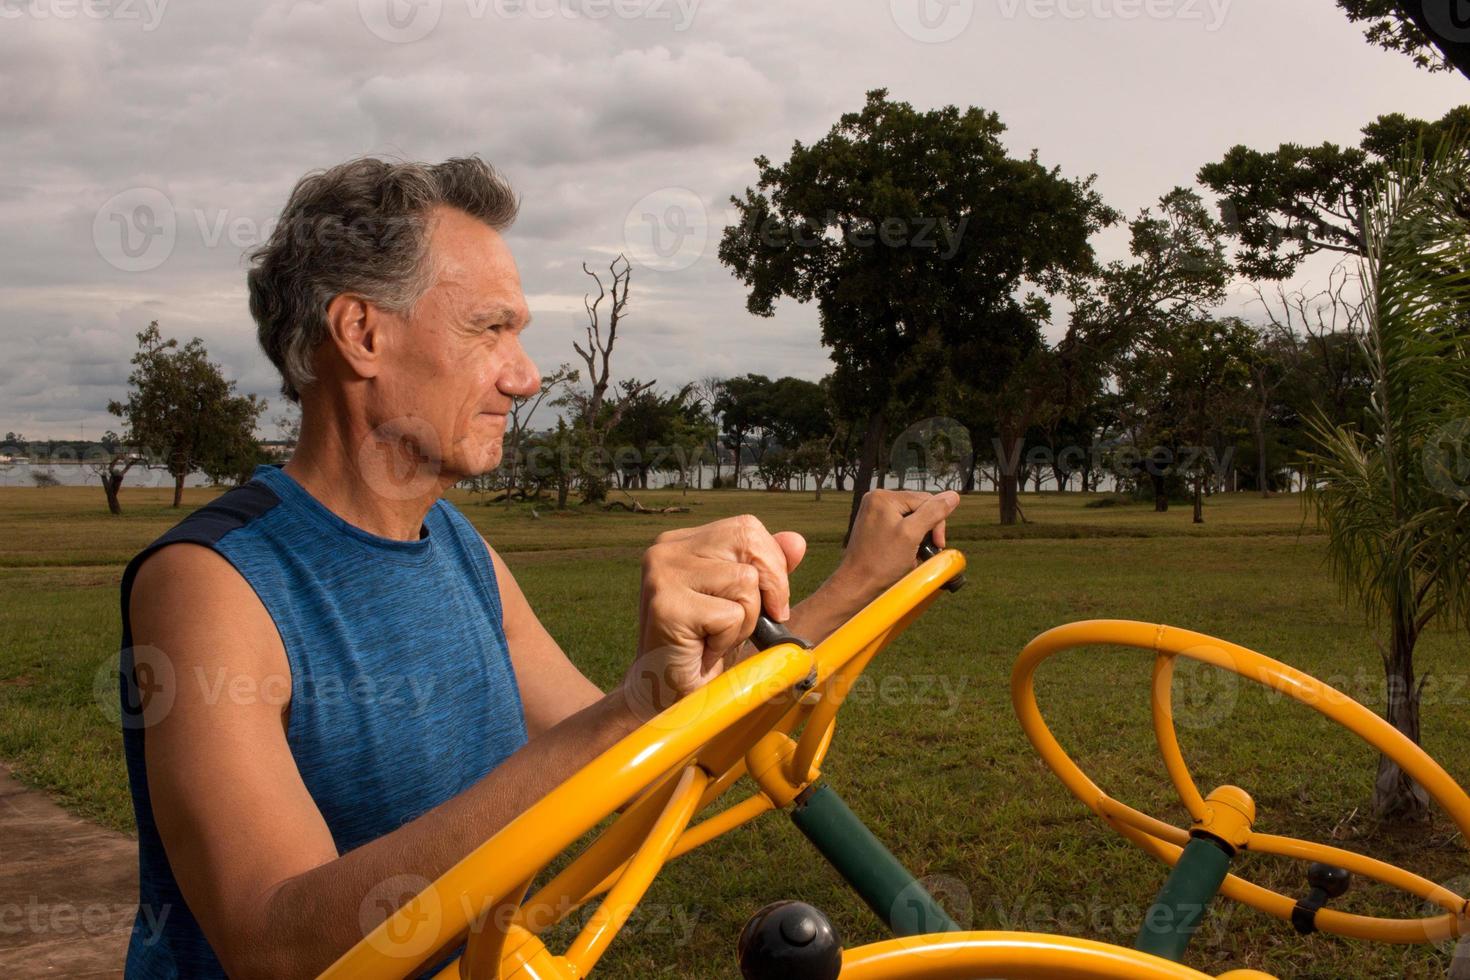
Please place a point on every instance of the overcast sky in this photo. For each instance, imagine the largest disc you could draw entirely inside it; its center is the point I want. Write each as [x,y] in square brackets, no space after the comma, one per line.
[149,144]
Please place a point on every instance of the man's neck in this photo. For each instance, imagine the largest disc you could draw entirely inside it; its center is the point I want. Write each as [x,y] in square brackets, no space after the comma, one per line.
[361,480]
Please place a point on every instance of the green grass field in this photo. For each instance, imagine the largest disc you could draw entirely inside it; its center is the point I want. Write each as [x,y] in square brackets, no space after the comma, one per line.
[928,751]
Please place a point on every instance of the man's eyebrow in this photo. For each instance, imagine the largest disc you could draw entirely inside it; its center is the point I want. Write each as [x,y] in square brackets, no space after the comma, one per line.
[502,313]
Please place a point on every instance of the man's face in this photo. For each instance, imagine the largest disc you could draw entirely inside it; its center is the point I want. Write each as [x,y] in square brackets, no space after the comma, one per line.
[456,364]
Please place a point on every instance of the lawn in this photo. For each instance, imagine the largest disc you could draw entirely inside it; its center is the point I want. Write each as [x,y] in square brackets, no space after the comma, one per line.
[928,751]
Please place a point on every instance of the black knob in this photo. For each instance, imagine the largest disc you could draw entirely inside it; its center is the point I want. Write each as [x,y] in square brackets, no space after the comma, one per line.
[769,633]
[789,941]
[928,549]
[1326,882]
[1332,880]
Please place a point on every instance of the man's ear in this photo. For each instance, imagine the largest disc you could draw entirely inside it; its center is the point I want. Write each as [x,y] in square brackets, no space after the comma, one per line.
[357,329]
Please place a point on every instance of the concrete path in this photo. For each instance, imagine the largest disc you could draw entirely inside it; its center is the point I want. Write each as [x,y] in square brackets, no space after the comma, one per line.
[68,890]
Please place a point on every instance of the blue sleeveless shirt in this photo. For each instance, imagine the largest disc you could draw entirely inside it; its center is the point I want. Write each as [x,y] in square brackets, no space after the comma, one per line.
[402,690]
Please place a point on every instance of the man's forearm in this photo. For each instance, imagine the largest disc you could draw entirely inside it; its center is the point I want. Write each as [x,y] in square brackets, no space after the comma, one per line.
[311,919]
[834,603]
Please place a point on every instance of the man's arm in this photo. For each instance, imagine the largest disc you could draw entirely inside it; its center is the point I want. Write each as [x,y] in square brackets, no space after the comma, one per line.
[885,540]
[552,688]
[251,852]
[248,846]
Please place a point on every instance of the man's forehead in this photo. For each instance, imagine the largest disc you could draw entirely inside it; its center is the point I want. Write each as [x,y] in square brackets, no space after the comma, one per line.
[475,261]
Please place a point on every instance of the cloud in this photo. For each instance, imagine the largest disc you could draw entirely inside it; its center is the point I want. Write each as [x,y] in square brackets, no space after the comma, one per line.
[599,112]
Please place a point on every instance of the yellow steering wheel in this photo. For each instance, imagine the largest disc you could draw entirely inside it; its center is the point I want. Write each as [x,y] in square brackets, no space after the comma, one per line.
[1228,812]
[771,716]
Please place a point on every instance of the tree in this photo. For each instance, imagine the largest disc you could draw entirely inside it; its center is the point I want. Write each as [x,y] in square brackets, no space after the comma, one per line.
[597,413]
[112,466]
[1432,32]
[181,409]
[1190,378]
[899,223]
[741,405]
[1296,201]
[522,411]
[1177,272]
[1393,494]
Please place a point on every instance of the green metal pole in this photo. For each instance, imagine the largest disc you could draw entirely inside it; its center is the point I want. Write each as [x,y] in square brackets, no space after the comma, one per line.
[1171,921]
[872,870]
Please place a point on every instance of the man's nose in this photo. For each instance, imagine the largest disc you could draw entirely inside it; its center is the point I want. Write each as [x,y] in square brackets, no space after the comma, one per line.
[520,377]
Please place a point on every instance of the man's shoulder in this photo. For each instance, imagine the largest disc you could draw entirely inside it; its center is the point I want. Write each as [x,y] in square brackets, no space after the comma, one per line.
[204,529]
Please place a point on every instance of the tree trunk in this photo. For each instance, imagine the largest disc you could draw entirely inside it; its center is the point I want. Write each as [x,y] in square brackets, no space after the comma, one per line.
[110,485]
[1007,476]
[1460,964]
[1161,492]
[1199,502]
[178,489]
[1262,469]
[872,443]
[1395,795]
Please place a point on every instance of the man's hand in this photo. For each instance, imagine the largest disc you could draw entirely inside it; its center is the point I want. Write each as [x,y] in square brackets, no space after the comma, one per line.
[703,588]
[885,539]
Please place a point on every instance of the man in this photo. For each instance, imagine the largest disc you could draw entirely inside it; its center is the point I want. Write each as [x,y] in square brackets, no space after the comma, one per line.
[330,679]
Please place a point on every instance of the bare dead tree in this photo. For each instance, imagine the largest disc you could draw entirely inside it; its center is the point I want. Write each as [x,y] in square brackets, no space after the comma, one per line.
[602,336]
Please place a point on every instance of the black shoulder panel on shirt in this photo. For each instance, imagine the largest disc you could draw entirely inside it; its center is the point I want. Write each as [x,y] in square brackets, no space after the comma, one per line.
[205,526]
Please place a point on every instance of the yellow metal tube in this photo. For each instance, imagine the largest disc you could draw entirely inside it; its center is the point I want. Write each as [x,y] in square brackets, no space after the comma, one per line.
[1005,956]
[594,938]
[1165,842]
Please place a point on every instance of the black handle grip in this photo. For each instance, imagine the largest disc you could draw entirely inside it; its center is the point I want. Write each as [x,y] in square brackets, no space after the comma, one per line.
[928,549]
[769,633]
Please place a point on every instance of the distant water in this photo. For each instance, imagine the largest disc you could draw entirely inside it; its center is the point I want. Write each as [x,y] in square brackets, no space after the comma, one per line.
[75,475]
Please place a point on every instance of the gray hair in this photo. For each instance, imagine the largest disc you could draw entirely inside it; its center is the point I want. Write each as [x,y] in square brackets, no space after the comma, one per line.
[359,227]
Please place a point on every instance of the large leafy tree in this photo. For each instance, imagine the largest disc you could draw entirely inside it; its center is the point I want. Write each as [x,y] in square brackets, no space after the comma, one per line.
[1435,33]
[1285,204]
[1394,494]
[181,409]
[900,223]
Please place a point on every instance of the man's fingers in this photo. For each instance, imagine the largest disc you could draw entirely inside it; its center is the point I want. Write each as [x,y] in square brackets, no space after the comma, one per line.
[753,544]
[793,546]
[930,515]
[736,582]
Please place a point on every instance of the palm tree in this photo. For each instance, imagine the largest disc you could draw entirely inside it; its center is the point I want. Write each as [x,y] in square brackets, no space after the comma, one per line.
[1394,494]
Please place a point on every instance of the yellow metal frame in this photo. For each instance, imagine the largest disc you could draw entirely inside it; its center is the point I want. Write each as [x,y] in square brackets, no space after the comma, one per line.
[1229,813]
[772,715]
[1013,956]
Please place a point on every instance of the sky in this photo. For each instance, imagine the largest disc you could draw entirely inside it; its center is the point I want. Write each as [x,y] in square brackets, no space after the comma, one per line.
[148,145]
